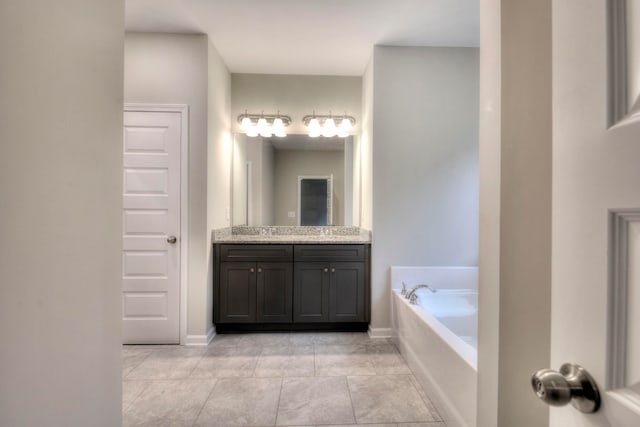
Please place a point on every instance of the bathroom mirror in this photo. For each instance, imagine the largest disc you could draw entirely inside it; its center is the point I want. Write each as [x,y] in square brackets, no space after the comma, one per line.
[295,180]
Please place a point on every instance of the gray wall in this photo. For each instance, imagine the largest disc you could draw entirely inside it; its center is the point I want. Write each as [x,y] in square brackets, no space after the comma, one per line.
[260,153]
[61,210]
[425,162]
[218,170]
[296,96]
[183,69]
[239,180]
[289,164]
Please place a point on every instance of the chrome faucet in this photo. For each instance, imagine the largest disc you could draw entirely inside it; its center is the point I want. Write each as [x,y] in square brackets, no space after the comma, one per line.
[411,295]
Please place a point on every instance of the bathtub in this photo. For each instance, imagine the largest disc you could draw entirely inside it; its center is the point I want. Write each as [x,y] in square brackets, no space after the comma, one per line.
[438,336]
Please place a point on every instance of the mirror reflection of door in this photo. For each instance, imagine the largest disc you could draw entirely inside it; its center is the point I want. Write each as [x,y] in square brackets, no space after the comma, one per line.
[314,201]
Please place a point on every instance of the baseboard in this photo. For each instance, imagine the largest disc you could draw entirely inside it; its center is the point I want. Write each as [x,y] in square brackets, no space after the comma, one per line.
[201,339]
[379,332]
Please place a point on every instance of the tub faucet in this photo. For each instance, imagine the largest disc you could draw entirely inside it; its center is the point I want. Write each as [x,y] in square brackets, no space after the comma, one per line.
[412,293]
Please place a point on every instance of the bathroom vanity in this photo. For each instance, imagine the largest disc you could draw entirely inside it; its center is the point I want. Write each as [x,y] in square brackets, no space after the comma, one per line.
[282,282]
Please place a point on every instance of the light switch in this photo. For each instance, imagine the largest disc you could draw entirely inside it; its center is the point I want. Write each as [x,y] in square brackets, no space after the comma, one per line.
[292,214]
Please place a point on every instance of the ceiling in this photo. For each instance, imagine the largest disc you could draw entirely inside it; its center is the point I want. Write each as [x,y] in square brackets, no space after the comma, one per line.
[317,37]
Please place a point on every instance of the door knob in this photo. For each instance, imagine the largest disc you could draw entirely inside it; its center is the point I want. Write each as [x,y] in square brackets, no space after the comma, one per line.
[172,239]
[572,384]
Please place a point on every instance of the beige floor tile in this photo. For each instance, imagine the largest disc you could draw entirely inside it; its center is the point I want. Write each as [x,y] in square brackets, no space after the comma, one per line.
[242,402]
[173,363]
[425,397]
[174,403]
[224,362]
[132,358]
[364,425]
[387,360]
[338,360]
[301,338]
[324,338]
[387,399]
[433,424]
[285,362]
[314,401]
[131,389]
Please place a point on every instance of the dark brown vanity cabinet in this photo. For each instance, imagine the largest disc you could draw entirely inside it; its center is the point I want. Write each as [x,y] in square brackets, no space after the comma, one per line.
[294,286]
[329,283]
[255,284]
[255,292]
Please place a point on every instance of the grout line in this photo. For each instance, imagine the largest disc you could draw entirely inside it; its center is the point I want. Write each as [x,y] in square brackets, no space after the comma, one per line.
[279,398]
[195,420]
[137,395]
[137,365]
[353,408]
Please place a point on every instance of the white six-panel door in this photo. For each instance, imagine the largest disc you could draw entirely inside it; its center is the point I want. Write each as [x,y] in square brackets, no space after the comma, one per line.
[596,204]
[151,218]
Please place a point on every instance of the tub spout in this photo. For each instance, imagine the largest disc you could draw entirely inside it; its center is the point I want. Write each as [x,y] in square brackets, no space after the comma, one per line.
[412,292]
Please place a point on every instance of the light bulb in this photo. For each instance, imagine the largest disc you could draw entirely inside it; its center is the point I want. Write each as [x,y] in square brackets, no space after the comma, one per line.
[246,124]
[262,124]
[345,125]
[278,127]
[314,128]
[329,128]
[252,132]
[263,128]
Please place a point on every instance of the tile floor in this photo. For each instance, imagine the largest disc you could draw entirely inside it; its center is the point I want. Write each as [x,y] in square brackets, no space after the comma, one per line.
[297,379]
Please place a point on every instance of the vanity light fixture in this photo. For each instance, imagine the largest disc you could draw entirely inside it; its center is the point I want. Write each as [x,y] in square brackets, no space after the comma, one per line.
[325,125]
[265,125]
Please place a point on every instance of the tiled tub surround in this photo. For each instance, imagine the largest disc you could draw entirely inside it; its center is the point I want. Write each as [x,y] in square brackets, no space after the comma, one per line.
[445,364]
[282,234]
[274,379]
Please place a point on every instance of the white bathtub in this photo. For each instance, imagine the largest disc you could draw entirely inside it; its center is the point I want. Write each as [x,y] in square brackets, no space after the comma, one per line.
[438,336]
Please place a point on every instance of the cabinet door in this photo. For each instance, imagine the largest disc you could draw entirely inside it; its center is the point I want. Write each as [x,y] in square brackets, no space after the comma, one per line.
[237,292]
[311,292]
[347,292]
[274,283]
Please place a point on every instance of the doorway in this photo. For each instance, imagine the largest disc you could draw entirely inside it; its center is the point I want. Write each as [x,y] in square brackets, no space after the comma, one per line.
[315,195]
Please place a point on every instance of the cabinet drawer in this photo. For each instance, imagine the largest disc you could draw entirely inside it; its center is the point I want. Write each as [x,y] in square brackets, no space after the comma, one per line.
[329,252]
[256,253]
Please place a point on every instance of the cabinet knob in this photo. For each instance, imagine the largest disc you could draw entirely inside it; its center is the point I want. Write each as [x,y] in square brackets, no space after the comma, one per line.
[333,270]
[252,269]
[259,270]
[326,270]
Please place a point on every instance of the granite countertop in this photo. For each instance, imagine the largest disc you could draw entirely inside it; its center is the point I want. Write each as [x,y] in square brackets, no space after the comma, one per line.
[292,235]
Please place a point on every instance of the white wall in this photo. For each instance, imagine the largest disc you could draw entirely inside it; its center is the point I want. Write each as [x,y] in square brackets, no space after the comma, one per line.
[425,163]
[295,96]
[515,265]
[60,185]
[185,69]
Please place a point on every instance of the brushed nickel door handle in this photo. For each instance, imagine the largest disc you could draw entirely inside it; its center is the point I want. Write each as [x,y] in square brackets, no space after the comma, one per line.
[172,239]
[573,384]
